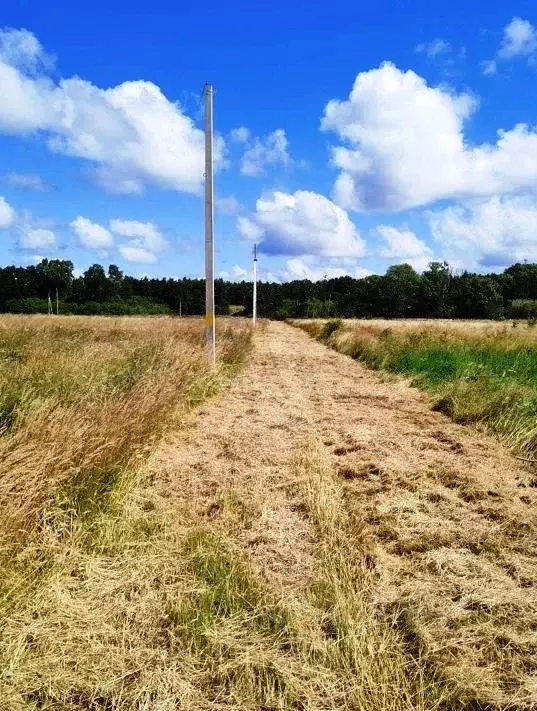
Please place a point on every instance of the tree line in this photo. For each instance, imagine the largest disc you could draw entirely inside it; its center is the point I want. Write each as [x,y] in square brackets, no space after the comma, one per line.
[402,292]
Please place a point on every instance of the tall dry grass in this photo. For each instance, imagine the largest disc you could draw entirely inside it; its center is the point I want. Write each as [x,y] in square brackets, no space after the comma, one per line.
[82,398]
[82,402]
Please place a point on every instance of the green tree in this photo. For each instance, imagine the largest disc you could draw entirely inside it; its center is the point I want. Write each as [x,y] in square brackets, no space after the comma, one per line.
[96,286]
[115,281]
[434,291]
[476,296]
[401,291]
[55,274]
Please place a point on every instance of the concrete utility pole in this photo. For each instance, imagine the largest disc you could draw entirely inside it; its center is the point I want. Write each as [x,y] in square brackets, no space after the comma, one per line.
[209,227]
[254,308]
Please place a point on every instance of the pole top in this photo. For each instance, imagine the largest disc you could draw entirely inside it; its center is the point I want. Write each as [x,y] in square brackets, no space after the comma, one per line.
[255,252]
[208,88]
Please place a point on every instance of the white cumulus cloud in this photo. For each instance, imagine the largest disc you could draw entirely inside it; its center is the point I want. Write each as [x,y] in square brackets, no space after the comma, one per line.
[31,237]
[138,255]
[488,233]
[296,268]
[28,181]
[240,134]
[300,224]
[519,39]
[7,213]
[401,243]
[404,145]
[265,151]
[434,48]
[144,235]
[236,273]
[131,133]
[91,234]
[21,48]
[249,228]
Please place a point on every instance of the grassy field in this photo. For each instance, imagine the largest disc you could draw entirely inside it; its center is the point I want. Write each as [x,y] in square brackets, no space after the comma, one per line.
[478,372]
[83,401]
[114,596]
[278,550]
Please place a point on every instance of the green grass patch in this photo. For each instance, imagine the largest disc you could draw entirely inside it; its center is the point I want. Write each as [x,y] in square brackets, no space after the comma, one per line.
[484,377]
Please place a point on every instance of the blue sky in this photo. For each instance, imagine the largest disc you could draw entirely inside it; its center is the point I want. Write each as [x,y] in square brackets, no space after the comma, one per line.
[349,137]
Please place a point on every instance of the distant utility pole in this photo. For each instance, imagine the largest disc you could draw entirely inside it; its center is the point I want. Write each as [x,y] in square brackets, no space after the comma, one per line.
[50,312]
[57,303]
[209,227]
[254,309]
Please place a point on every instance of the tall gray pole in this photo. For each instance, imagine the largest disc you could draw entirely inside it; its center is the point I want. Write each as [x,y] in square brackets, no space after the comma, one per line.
[254,308]
[209,227]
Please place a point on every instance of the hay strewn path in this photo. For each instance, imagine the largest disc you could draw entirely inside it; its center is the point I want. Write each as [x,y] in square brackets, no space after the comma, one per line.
[449,514]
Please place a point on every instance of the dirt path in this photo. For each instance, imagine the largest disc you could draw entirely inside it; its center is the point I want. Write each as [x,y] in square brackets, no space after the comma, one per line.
[449,511]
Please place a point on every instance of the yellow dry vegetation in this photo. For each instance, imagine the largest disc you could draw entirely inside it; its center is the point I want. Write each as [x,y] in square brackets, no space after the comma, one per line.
[82,403]
[313,539]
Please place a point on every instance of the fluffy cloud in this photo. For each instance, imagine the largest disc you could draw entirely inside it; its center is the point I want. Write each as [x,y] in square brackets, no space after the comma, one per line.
[132,133]
[434,48]
[21,48]
[138,255]
[265,151]
[488,233]
[30,234]
[403,245]
[145,238]
[7,213]
[519,39]
[28,181]
[300,224]
[249,229]
[144,235]
[236,273]
[91,235]
[407,146]
[31,237]
[240,134]
[296,268]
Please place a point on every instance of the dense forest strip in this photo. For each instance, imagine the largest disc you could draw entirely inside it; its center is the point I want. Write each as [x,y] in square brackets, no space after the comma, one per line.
[438,292]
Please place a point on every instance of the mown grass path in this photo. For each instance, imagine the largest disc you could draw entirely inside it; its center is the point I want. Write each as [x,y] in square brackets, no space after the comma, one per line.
[443,517]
